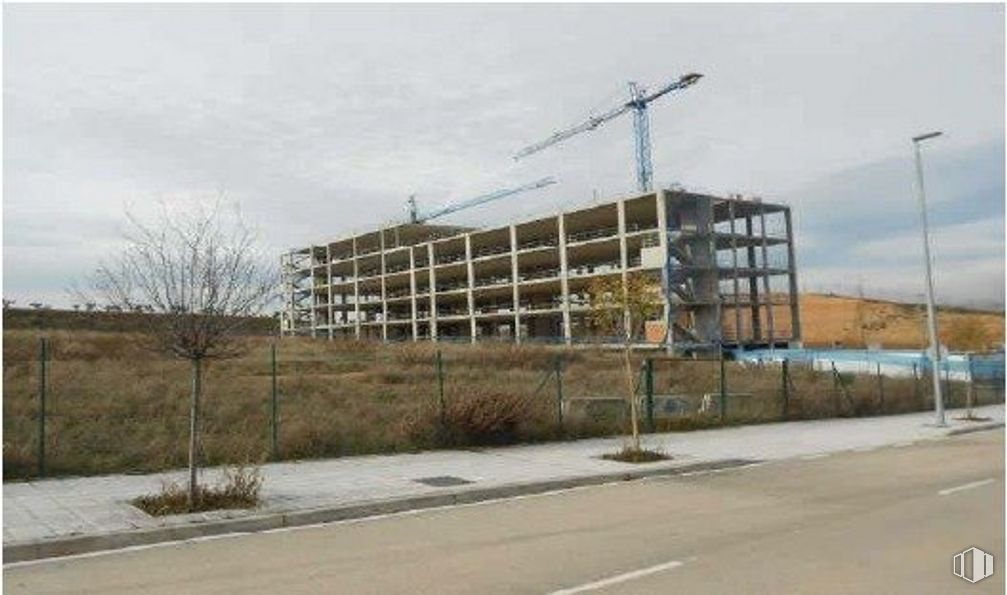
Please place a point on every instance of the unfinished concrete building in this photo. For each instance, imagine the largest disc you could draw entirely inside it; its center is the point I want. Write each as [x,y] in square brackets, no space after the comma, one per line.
[726,265]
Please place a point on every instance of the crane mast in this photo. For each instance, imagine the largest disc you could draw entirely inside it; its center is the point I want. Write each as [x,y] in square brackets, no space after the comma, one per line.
[638,101]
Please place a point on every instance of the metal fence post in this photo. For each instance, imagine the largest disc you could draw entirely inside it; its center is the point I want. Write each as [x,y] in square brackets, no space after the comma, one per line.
[559,390]
[274,446]
[649,387]
[881,388]
[43,348]
[970,397]
[785,380]
[840,388]
[835,387]
[723,389]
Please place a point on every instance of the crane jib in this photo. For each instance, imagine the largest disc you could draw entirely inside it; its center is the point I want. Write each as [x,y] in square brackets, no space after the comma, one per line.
[416,217]
[638,103]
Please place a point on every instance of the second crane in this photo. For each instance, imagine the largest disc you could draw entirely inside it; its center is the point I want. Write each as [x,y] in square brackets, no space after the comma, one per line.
[639,98]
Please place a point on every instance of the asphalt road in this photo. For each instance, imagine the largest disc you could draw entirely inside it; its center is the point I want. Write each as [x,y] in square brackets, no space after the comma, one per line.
[882,521]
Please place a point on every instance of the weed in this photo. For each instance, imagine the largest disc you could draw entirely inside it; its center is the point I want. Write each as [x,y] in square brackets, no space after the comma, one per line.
[628,454]
[239,488]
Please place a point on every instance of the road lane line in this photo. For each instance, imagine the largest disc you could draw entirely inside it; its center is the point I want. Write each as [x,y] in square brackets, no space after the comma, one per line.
[968,486]
[619,578]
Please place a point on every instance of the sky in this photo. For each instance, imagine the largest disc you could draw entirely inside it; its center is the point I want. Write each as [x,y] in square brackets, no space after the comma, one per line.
[321,120]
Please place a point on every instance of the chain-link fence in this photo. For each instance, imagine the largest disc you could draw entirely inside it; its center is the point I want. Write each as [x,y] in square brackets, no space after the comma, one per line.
[89,403]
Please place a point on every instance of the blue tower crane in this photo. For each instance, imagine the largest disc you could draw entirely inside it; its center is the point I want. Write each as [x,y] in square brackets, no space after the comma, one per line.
[638,100]
[417,217]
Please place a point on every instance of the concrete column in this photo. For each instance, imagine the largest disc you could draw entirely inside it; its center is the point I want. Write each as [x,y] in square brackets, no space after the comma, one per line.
[661,201]
[753,281]
[739,335]
[795,311]
[356,290]
[714,280]
[514,284]
[412,291]
[770,331]
[311,298]
[328,279]
[470,270]
[564,280]
[623,258]
[433,292]
[384,297]
[288,292]
[623,252]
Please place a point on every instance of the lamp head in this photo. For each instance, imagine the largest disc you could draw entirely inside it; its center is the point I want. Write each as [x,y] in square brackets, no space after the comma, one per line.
[929,135]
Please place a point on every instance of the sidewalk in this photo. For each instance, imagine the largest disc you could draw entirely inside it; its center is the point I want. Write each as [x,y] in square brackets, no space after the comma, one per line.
[58,511]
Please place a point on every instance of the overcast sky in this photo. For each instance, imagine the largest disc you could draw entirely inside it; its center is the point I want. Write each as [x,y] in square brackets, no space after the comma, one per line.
[320,120]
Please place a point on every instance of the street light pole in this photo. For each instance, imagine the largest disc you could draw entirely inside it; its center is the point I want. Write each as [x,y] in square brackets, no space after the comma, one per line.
[935,352]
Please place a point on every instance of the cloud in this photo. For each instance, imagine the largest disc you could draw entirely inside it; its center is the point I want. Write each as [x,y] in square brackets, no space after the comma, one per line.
[323,119]
[859,229]
[959,243]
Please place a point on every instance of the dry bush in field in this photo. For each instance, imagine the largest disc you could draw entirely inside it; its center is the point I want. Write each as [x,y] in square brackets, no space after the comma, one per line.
[488,418]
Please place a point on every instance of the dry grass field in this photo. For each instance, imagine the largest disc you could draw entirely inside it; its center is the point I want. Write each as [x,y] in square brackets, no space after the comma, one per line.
[114,407]
[832,320]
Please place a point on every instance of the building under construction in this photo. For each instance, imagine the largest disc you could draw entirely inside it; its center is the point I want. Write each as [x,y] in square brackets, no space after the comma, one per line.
[726,266]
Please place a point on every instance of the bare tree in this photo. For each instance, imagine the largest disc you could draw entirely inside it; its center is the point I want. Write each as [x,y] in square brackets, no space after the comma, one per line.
[621,311]
[202,275]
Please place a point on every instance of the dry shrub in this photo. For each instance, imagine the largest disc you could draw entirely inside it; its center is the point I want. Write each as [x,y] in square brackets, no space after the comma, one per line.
[239,488]
[628,454]
[414,354]
[490,418]
[18,461]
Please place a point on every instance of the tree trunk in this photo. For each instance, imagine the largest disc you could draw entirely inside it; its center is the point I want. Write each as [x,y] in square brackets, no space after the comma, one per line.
[197,390]
[633,414]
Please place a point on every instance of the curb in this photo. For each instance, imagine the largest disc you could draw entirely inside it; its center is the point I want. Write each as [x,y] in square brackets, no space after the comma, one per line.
[976,428]
[83,544]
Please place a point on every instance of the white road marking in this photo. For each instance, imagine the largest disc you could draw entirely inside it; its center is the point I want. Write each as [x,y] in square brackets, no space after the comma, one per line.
[817,456]
[968,486]
[619,578]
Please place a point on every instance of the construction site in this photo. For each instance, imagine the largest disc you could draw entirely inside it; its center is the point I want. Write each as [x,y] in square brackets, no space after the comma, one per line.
[724,267]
